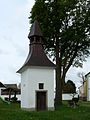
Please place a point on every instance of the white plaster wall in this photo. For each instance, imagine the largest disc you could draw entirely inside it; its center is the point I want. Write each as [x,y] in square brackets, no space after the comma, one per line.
[89,88]
[67,96]
[31,78]
[24,87]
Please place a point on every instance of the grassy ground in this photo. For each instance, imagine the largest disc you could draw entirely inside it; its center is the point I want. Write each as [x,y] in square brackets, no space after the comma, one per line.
[13,112]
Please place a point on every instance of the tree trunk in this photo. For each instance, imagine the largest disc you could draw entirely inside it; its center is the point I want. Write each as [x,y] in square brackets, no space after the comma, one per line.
[63,80]
[9,94]
[58,99]
[15,94]
[58,96]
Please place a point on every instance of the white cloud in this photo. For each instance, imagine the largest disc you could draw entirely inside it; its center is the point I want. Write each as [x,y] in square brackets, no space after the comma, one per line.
[14,29]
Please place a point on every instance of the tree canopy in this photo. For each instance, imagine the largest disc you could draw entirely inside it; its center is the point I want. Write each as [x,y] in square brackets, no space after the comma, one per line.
[66,30]
[69,87]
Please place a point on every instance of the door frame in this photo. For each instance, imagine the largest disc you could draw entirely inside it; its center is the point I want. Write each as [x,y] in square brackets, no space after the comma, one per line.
[36,98]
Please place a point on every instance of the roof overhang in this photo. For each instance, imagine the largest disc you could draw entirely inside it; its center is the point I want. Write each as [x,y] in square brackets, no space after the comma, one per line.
[37,67]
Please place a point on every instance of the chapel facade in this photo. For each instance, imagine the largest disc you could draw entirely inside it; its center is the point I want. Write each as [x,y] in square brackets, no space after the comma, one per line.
[37,75]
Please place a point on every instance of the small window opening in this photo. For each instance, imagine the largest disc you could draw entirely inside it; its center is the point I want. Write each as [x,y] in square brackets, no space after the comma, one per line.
[31,40]
[41,85]
[38,39]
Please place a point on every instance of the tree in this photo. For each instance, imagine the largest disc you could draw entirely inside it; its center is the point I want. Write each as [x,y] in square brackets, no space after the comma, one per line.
[66,29]
[82,76]
[69,87]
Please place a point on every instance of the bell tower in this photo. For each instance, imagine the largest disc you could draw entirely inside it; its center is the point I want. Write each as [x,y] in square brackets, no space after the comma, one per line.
[37,75]
[36,56]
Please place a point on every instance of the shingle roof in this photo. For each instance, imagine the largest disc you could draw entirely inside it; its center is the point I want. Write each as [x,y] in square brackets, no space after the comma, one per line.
[35,30]
[37,56]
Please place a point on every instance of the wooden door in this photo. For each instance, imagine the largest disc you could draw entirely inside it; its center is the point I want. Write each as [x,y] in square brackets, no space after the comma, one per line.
[41,101]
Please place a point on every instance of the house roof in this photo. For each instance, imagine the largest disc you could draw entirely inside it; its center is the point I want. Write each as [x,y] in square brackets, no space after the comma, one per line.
[87,74]
[10,85]
[1,85]
[12,89]
[36,56]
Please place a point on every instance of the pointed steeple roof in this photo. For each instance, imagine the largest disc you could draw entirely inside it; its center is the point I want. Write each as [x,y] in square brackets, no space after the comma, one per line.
[35,30]
[36,56]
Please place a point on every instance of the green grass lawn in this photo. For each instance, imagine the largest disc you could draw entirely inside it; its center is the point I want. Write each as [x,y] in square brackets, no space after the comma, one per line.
[13,112]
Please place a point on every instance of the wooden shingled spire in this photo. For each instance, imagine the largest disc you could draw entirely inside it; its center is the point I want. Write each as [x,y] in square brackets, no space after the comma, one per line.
[36,56]
[35,30]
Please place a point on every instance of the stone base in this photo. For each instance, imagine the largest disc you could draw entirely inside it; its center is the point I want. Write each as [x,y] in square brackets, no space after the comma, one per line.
[51,108]
[29,109]
[34,109]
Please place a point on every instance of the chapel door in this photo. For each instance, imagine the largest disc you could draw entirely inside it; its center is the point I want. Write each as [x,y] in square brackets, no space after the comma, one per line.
[41,101]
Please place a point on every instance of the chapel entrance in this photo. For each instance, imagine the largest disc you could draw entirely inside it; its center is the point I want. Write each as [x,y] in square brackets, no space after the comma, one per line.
[41,100]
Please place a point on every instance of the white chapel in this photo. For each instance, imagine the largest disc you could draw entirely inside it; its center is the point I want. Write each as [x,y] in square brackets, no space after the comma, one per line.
[37,75]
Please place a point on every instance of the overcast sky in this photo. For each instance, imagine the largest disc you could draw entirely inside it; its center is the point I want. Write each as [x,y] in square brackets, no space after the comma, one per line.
[14,44]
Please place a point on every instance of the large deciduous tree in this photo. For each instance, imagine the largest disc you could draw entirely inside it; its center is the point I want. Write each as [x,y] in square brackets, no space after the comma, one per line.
[66,29]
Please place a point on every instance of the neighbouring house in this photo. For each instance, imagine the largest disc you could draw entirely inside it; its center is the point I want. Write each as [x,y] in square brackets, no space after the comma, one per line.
[8,91]
[67,96]
[87,77]
[83,91]
[37,75]
[1,87]
[10,85]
